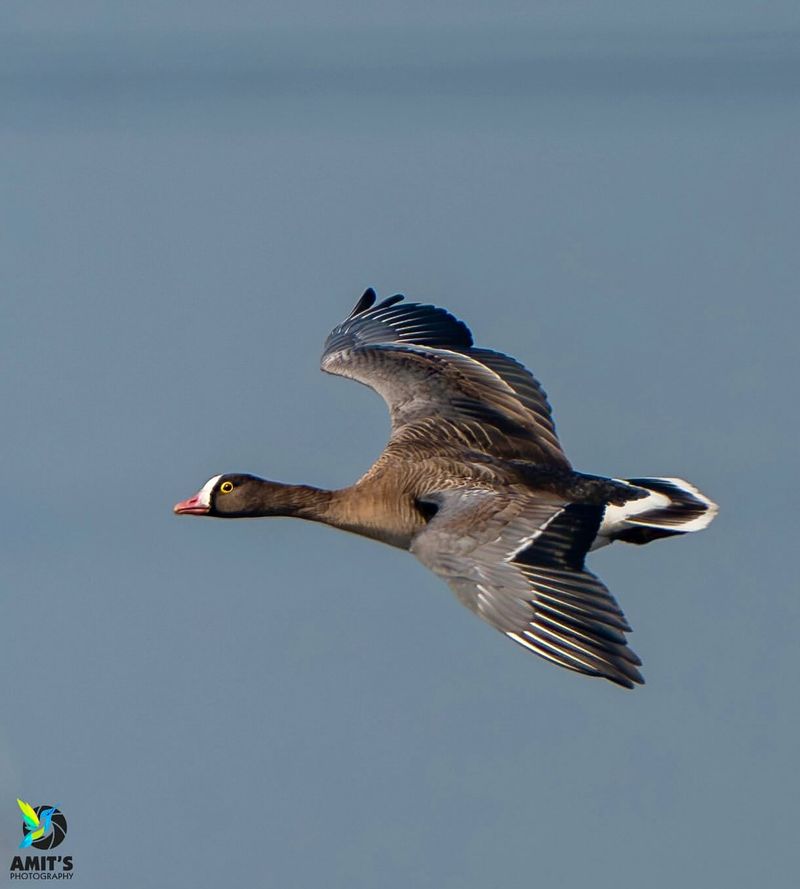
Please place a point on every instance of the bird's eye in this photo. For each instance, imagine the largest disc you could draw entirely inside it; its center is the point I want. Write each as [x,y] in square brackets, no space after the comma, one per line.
[226,487]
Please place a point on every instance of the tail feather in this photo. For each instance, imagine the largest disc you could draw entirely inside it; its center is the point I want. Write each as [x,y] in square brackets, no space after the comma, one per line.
[686,509]
[671,506]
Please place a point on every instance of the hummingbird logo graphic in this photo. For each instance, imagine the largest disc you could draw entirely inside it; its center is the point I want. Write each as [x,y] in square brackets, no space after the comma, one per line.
[37,824]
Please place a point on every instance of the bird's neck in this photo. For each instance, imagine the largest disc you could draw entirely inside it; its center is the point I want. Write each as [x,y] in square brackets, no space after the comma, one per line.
[300,501]
[359,509]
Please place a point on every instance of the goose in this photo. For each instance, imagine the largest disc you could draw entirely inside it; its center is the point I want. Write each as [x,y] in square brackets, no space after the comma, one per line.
[475,484]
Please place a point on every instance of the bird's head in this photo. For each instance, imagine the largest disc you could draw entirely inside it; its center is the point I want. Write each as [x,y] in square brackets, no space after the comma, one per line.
[225,496]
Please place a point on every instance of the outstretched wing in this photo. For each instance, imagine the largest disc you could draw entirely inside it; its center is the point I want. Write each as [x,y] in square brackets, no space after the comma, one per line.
[441,391]
[518,562]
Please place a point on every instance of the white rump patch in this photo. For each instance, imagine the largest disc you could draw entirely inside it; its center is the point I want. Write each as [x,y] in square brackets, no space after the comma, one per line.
[614,516]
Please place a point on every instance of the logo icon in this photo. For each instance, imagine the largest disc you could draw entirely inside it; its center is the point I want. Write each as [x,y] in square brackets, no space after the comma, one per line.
[43,827]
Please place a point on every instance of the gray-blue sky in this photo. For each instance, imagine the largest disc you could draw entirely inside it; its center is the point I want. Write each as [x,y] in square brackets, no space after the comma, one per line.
[247,15]
[186,211]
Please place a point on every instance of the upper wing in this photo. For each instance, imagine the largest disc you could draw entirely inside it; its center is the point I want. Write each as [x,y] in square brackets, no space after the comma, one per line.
[518,563]
[439,388]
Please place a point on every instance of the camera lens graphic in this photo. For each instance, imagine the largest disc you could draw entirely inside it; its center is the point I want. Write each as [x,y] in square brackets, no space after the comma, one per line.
[58,830]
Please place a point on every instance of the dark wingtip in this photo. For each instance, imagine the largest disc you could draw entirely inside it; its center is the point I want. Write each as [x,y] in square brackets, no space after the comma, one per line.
[367,301]
[630,678]
[391,300]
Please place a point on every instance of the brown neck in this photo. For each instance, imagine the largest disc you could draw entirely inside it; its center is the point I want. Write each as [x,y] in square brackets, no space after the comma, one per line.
[302,501]
[360,509]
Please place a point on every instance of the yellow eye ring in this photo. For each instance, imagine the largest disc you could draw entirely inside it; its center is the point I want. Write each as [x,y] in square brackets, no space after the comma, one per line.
[226,487]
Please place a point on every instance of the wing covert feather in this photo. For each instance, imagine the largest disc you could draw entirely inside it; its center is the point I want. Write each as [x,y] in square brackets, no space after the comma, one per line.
[421,360]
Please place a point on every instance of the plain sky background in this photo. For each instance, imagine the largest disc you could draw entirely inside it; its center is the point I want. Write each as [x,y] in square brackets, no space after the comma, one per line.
[192,195]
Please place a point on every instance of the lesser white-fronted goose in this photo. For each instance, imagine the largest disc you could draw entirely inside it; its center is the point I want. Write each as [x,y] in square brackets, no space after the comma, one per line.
[473,481]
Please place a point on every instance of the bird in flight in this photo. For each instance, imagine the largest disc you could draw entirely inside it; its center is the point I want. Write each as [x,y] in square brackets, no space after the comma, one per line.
[475,484]
[37,826]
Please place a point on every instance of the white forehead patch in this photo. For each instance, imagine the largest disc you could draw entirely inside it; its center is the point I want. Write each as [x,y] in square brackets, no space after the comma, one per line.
[204,495]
